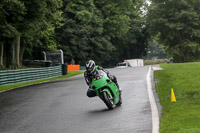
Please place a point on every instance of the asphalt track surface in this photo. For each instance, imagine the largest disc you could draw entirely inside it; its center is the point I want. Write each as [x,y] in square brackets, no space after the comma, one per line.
[63,107]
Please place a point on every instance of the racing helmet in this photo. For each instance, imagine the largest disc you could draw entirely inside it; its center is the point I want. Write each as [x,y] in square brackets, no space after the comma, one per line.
[90,66]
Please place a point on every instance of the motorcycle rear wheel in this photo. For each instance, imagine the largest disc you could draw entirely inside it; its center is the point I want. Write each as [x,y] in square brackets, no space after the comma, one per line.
[108,100]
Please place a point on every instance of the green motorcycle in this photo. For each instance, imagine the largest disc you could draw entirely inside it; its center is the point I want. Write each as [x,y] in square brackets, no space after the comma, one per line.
[106,89]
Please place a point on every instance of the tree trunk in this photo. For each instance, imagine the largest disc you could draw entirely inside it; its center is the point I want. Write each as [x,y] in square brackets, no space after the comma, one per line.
[22,48]
[17,51]
[1,54]
[10,54]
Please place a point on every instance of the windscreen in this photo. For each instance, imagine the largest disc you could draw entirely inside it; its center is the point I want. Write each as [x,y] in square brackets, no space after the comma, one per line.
[122,64]
[100,73]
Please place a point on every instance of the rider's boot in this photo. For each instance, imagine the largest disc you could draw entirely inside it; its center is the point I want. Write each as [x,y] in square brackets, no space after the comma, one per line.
[120,90]
[91,93]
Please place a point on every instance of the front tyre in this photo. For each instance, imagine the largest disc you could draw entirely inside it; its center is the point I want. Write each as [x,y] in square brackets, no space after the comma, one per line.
[120,99]
[108,100]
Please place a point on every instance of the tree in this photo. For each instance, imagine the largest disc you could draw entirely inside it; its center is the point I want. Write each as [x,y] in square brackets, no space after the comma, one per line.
[40,27]
[155,50]
[177,24]
[11,14]
[102,30]
[30,20]
[115,15]
[81,36]
[133,44]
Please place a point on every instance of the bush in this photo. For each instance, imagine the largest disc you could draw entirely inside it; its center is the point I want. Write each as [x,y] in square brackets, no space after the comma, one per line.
[157,61]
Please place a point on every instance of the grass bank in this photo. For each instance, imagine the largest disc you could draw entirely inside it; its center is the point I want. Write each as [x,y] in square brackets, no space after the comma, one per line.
[182,116]
[70,74]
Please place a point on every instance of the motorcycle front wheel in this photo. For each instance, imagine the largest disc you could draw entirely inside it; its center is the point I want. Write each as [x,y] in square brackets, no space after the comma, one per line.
[108,100]
[120,99]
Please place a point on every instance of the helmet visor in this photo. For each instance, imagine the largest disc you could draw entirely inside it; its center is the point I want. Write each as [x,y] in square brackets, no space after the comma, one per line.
[89,69]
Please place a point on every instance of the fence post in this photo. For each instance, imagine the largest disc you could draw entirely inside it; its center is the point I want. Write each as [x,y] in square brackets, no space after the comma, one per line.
[64,69]
[62,58]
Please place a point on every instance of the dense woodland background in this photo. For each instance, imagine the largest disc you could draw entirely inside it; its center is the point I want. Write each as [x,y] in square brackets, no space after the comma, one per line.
[106,31]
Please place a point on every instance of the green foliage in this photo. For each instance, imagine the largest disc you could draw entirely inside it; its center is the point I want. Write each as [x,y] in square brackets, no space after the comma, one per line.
[133,44]
[41,24]
[33,20]
[116,19]
[102,30]
[105,31]
[177,24]
[73,36]
[12,13]
[155,50]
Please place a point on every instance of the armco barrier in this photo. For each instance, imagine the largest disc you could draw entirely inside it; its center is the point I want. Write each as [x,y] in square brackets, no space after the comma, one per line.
[82,68]
[25,75]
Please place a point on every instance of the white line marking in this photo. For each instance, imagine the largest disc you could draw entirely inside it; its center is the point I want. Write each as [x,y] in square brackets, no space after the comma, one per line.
[154,109]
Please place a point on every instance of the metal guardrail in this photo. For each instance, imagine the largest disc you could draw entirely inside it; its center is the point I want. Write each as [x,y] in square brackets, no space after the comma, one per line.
[82,68]
[25,75]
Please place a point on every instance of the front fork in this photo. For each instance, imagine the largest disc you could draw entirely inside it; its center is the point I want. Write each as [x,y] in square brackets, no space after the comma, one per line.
[104,90]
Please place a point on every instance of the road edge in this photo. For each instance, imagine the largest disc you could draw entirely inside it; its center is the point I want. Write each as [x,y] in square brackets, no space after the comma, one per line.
[154,109]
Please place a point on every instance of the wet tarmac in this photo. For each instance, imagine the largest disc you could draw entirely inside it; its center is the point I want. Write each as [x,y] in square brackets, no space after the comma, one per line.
[63,107]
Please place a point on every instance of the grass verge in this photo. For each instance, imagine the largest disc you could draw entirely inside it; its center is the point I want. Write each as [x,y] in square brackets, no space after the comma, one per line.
[70,74]
[182,116]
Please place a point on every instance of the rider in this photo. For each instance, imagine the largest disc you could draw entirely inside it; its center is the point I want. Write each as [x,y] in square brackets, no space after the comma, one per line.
[89,74]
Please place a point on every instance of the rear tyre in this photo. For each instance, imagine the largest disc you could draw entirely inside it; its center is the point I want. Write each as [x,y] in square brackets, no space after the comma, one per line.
[108,100]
